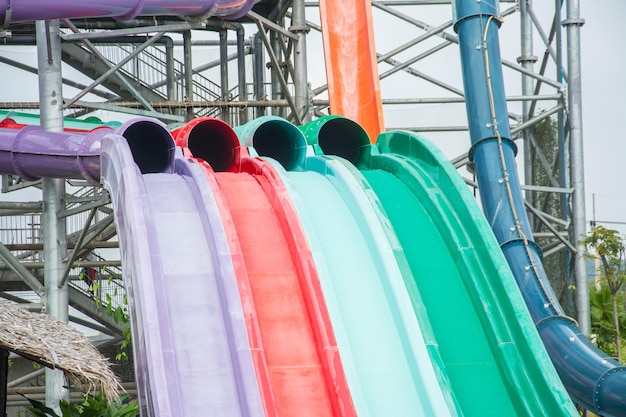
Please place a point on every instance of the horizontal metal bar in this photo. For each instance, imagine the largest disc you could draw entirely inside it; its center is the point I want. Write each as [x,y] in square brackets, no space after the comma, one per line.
[21,206]
[271,25]
[532,74]
[127,110]
[20,269]
[103,201]
[25,378]
[430,128]
[77,264]
[70,245]
[133,31]
[548,189]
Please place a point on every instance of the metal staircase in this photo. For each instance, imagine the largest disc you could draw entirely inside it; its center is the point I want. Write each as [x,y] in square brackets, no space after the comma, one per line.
[153,71]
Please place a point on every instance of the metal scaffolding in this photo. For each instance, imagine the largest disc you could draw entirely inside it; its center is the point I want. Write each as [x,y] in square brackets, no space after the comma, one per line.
[271,62]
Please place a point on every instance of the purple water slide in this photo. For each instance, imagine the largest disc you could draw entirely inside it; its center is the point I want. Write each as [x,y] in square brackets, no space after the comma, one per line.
[15,11]
[32,152]
[192,355]
[191,347]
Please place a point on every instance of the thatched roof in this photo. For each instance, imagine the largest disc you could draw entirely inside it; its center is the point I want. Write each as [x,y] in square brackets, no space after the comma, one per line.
[56,345]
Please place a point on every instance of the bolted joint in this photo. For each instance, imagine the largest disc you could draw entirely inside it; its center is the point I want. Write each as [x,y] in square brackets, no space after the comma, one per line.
[299,29]
[281,64]
[526,58]
[573,22]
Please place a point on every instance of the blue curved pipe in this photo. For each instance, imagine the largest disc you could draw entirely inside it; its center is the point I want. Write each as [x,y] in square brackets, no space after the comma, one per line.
[592,379]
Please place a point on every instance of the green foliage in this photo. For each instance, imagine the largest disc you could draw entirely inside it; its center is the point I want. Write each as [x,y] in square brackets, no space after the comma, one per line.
[120,316]
[92,406]
[608,247]
[602,321]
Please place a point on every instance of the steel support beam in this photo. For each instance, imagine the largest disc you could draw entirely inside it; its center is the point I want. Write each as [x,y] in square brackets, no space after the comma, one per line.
[573,23]
[55,247]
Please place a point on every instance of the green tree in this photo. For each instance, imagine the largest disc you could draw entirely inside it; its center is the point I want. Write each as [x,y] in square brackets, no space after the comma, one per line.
[607,245]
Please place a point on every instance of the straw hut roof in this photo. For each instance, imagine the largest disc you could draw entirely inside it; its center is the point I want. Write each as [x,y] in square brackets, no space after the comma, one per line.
[56,345]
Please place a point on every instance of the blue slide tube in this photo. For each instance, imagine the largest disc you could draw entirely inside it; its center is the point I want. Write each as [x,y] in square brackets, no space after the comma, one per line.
[592,379]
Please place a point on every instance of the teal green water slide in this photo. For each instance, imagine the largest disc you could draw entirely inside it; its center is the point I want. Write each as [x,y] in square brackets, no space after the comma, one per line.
[477,327]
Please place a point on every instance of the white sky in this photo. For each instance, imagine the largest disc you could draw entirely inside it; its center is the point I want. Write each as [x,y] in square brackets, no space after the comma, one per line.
[604,92]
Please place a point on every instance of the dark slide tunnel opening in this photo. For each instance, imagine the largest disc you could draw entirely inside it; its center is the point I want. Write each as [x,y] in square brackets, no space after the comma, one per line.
[151,145]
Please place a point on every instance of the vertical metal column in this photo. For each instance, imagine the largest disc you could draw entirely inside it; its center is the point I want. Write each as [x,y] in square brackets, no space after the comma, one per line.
[527,60]
[301,86]
[241,74]
[54,233]
[170,73]
[4,374]
[276,87]
[259,73]
[577,171]
[225,110]
[187,62]
[563,153]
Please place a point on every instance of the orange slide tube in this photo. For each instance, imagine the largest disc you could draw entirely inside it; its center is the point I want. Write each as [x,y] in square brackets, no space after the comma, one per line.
[351,64]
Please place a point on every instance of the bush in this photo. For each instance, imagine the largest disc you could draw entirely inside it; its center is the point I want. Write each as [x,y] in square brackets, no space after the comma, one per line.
[92,406]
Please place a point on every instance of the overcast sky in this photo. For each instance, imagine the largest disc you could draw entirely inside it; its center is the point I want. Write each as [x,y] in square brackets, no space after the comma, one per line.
[604,94]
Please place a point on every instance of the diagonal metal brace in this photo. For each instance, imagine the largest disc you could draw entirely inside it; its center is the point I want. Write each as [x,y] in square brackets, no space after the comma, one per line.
[21,270]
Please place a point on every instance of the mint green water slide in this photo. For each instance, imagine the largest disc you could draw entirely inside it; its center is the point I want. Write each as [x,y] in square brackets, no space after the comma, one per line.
[462,289]
[380,342]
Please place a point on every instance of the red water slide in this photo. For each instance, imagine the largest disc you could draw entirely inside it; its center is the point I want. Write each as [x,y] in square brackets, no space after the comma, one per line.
[294,349]
[351,64]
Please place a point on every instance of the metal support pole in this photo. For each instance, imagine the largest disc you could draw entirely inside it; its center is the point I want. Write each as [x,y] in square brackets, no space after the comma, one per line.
[527,61]
[25,378]
[563,153]
[170,74]
[4,379]
[187,62]
[301,87]
[54,233]
[241,74]
[577,171]
[224,111]
[259,73]
[277,93]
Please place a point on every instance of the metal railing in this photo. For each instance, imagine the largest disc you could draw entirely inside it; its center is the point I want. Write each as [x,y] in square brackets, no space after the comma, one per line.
[96,276]
[150,68]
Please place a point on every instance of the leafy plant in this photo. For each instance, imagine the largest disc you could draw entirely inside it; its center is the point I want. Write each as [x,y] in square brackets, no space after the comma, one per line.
[121,316]
[602,322]
[92,406]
